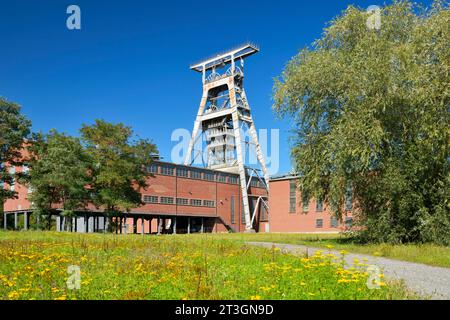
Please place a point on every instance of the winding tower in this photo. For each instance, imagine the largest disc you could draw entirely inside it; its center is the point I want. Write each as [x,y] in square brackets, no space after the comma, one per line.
[223,115]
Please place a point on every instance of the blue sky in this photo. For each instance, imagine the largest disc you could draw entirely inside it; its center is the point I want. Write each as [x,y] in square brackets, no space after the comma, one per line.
[130,61]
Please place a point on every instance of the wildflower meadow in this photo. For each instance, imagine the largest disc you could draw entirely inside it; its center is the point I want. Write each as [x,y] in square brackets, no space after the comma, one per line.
[40,265]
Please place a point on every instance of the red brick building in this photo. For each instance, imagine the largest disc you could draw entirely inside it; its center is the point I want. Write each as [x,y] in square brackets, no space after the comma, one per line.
[179,199]
[290,211]
[186,199]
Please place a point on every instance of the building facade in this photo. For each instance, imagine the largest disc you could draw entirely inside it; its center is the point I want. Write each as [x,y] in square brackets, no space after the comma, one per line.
[178,199]
[290,211]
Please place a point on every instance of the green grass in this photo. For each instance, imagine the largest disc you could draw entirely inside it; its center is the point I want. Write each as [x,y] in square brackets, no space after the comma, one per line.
[33,265]
[429,254]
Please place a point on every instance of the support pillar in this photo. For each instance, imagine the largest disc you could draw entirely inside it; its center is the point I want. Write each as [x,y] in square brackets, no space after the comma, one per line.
[5,221]
[25,221]
[86,224]
[135,222]
[174,221]
[159,226]
[202,227]
[58,223]
[142,225]
[150,225]
[189,225]
[15,221]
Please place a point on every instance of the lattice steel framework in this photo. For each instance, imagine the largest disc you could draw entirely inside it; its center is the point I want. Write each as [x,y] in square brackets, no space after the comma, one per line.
[223,112]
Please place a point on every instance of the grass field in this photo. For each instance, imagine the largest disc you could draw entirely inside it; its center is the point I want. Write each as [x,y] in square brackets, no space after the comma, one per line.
[420,253]
[34,265]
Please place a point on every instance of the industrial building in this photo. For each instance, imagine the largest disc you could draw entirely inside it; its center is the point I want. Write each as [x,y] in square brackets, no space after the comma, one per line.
[224,195]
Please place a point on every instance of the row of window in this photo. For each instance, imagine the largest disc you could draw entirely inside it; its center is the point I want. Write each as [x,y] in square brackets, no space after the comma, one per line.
[193,173]
[180,201]
[334,223]
[319,203]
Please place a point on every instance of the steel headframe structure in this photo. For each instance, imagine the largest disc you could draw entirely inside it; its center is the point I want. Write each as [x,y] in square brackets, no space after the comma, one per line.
[222,113]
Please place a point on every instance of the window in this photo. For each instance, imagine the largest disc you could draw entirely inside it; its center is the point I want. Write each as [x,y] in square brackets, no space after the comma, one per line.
[233,213]
[319,205]
[333,222]
[196,174]
[349,199]
[292,196]
[348,222]
[305,202]
[221,178]
[182,172]
[153,168]
[254,183]
[319,223]
[166,200]
[167,170]
[196,202]
[150,199]
[209,203]
[182,201]
[12,171]
[242,213]
[233,180]
[209,176]
[264,215]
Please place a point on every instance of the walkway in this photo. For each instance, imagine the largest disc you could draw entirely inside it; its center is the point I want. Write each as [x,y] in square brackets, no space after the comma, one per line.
[433,282]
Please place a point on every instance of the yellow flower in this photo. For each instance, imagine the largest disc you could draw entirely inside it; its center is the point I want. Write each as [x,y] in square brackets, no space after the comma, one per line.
[344,252]
[329,246]
[63,297]
[13,295]
[255,298]
[302,283]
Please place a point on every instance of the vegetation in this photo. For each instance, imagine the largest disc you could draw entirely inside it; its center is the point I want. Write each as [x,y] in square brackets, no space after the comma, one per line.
[119,166]
[427,253]
[59,174]
[371,108]
[33,265]
[14,129]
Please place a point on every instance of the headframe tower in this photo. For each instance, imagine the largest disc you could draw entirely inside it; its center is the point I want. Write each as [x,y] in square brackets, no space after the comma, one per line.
[223,112]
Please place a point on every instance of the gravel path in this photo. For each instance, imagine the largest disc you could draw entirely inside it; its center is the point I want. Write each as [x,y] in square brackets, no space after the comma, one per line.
[433,282]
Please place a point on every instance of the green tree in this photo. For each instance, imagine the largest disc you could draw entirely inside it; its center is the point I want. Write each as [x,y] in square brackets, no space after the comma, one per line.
[119,166]
[14,130]
[59,175]
[371,108]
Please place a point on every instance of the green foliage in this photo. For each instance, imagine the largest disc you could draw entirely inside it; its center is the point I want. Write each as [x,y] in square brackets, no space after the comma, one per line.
[426,253]
[59,174]
[118,165]
[14,129]
[371,110]
[33,265]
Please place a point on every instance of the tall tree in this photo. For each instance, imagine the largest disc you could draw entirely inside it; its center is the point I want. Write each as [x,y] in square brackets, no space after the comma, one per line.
[59,174]
[372,111]
[119,165]
[14,130]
